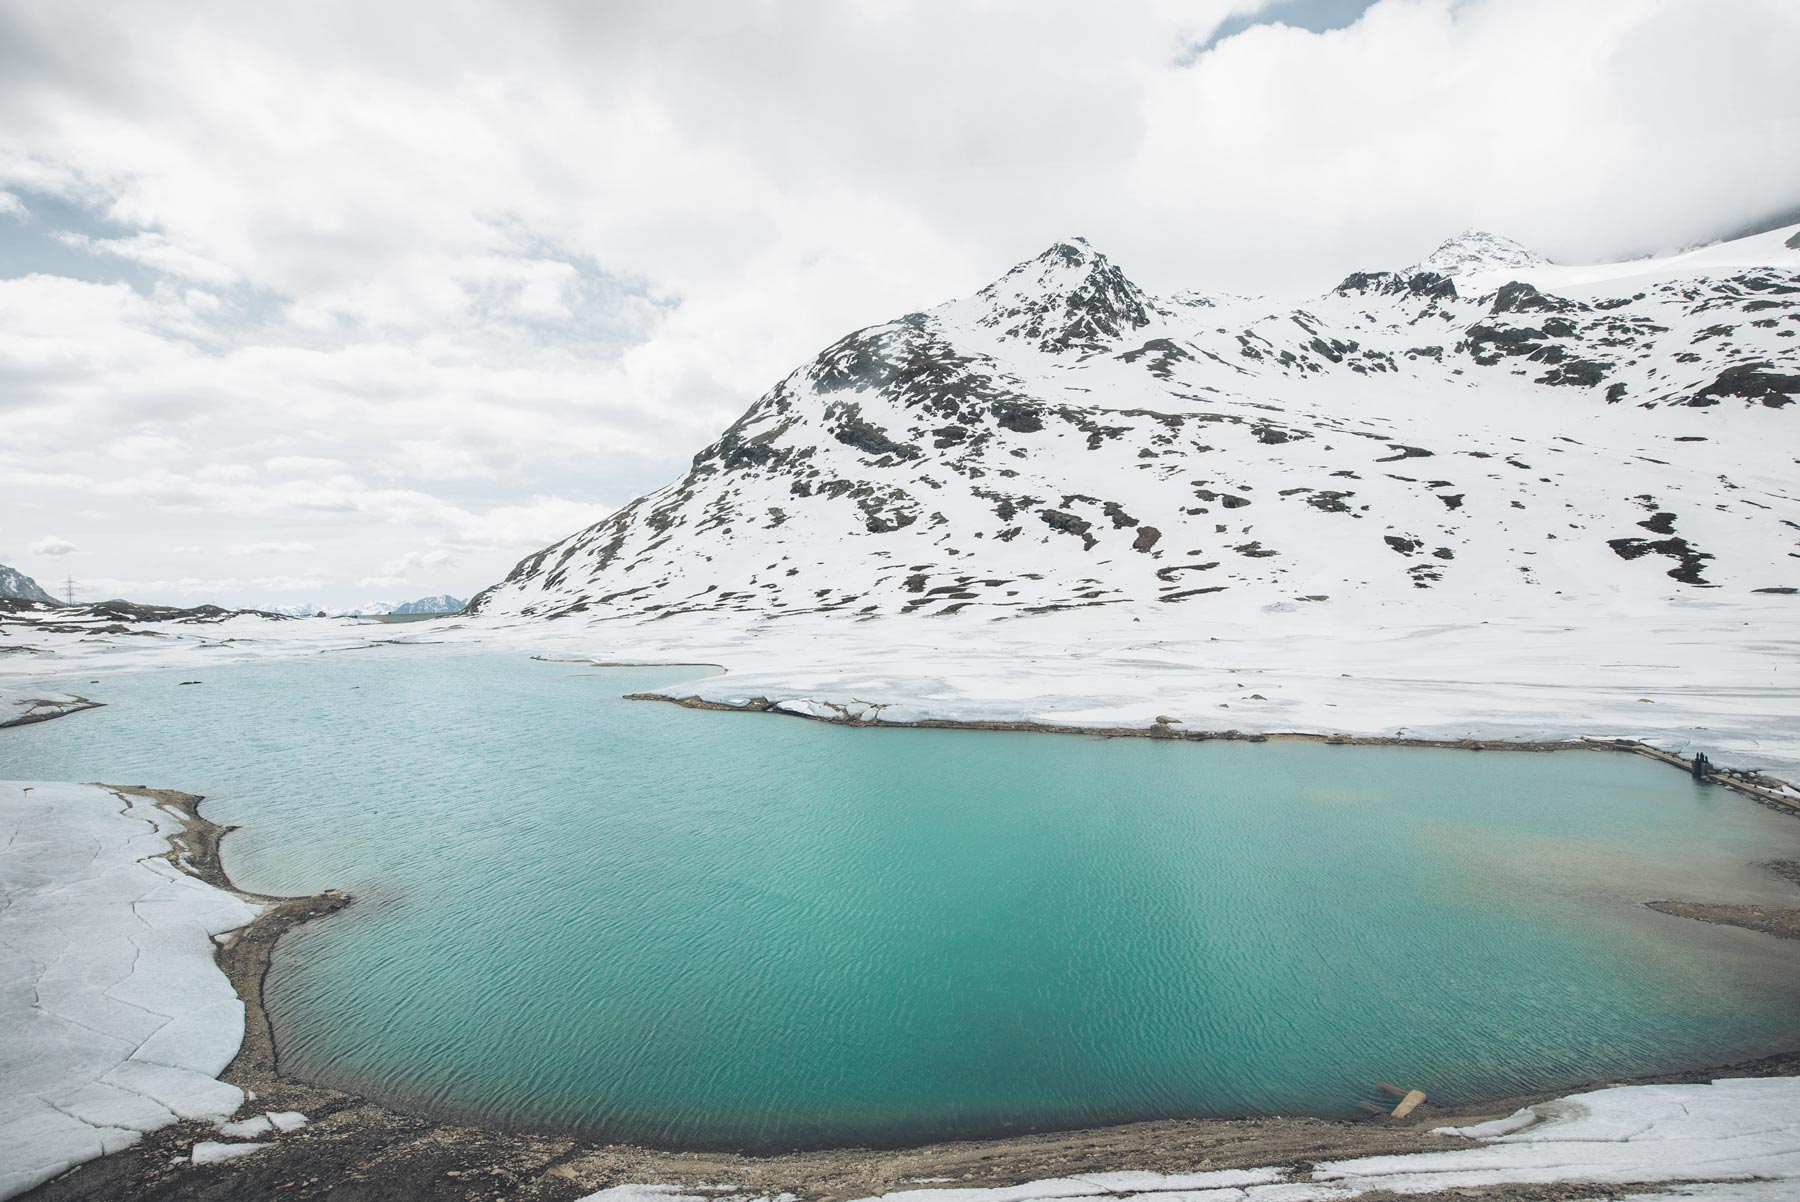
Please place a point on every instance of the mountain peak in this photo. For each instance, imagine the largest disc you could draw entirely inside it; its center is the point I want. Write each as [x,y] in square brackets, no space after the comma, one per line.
[1070,297]
[1477,250]
[1073,251]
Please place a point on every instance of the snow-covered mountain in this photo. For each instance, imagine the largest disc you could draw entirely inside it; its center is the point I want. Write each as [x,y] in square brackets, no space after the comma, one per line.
[1484,428]
[1477,251]
[20,587]
[442,603]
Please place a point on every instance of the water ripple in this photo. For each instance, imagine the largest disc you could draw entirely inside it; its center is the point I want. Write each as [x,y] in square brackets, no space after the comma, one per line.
[639,922]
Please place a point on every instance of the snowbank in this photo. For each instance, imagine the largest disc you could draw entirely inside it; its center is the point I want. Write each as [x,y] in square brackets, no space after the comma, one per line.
[114,1018]
[1730,1140]
[1731,1130]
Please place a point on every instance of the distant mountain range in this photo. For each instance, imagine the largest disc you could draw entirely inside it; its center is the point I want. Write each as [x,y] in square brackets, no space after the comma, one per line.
[1484,431]
[16,584]
[442,603]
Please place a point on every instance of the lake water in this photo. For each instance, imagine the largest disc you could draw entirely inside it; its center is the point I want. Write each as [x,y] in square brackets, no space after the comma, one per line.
[709,929]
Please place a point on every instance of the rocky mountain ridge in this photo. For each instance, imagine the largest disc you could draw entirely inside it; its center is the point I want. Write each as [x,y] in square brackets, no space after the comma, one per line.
[20,587]
[1483,428]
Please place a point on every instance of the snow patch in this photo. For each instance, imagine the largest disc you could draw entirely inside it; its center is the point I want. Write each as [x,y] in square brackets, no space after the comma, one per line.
[212,1152]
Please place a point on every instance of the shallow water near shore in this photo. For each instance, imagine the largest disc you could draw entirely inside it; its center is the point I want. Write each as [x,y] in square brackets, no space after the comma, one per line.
[708,929]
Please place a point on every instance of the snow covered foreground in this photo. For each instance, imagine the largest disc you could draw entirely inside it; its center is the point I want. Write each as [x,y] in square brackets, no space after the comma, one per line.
[114,1018]
[1732,1141]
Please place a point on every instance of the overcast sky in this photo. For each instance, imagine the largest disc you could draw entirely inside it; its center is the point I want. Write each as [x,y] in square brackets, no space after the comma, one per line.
[339,303]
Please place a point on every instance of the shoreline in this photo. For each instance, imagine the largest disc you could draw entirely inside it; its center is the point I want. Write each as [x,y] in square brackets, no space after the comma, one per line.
[244,957]
[1754,785]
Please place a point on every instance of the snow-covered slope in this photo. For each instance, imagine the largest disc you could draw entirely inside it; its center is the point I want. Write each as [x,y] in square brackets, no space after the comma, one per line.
[19,586]
[1484,430]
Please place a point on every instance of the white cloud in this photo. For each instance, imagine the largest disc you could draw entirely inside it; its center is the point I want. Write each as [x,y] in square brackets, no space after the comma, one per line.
[407,565]
[53,546]
[270,548]
[463,292]
[289,584]
[12,206]
[153,250]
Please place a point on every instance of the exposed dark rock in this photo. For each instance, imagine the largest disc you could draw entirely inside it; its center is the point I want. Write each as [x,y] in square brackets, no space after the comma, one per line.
[1520,297]
[853,431]
[1068,523]
[1582,372]
[1120,519]
[1273,435]
[1163,357]
[1021,418]
[1752,382]
[1404,452]
[1691,560]
[1169,573]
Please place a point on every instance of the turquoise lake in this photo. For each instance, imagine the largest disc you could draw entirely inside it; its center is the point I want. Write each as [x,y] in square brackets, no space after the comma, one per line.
[695,929]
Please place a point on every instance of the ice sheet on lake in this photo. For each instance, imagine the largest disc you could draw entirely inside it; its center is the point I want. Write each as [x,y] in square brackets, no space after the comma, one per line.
[114,1018]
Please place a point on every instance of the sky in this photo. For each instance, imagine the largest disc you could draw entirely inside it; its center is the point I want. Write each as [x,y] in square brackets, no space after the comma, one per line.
[339,303]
